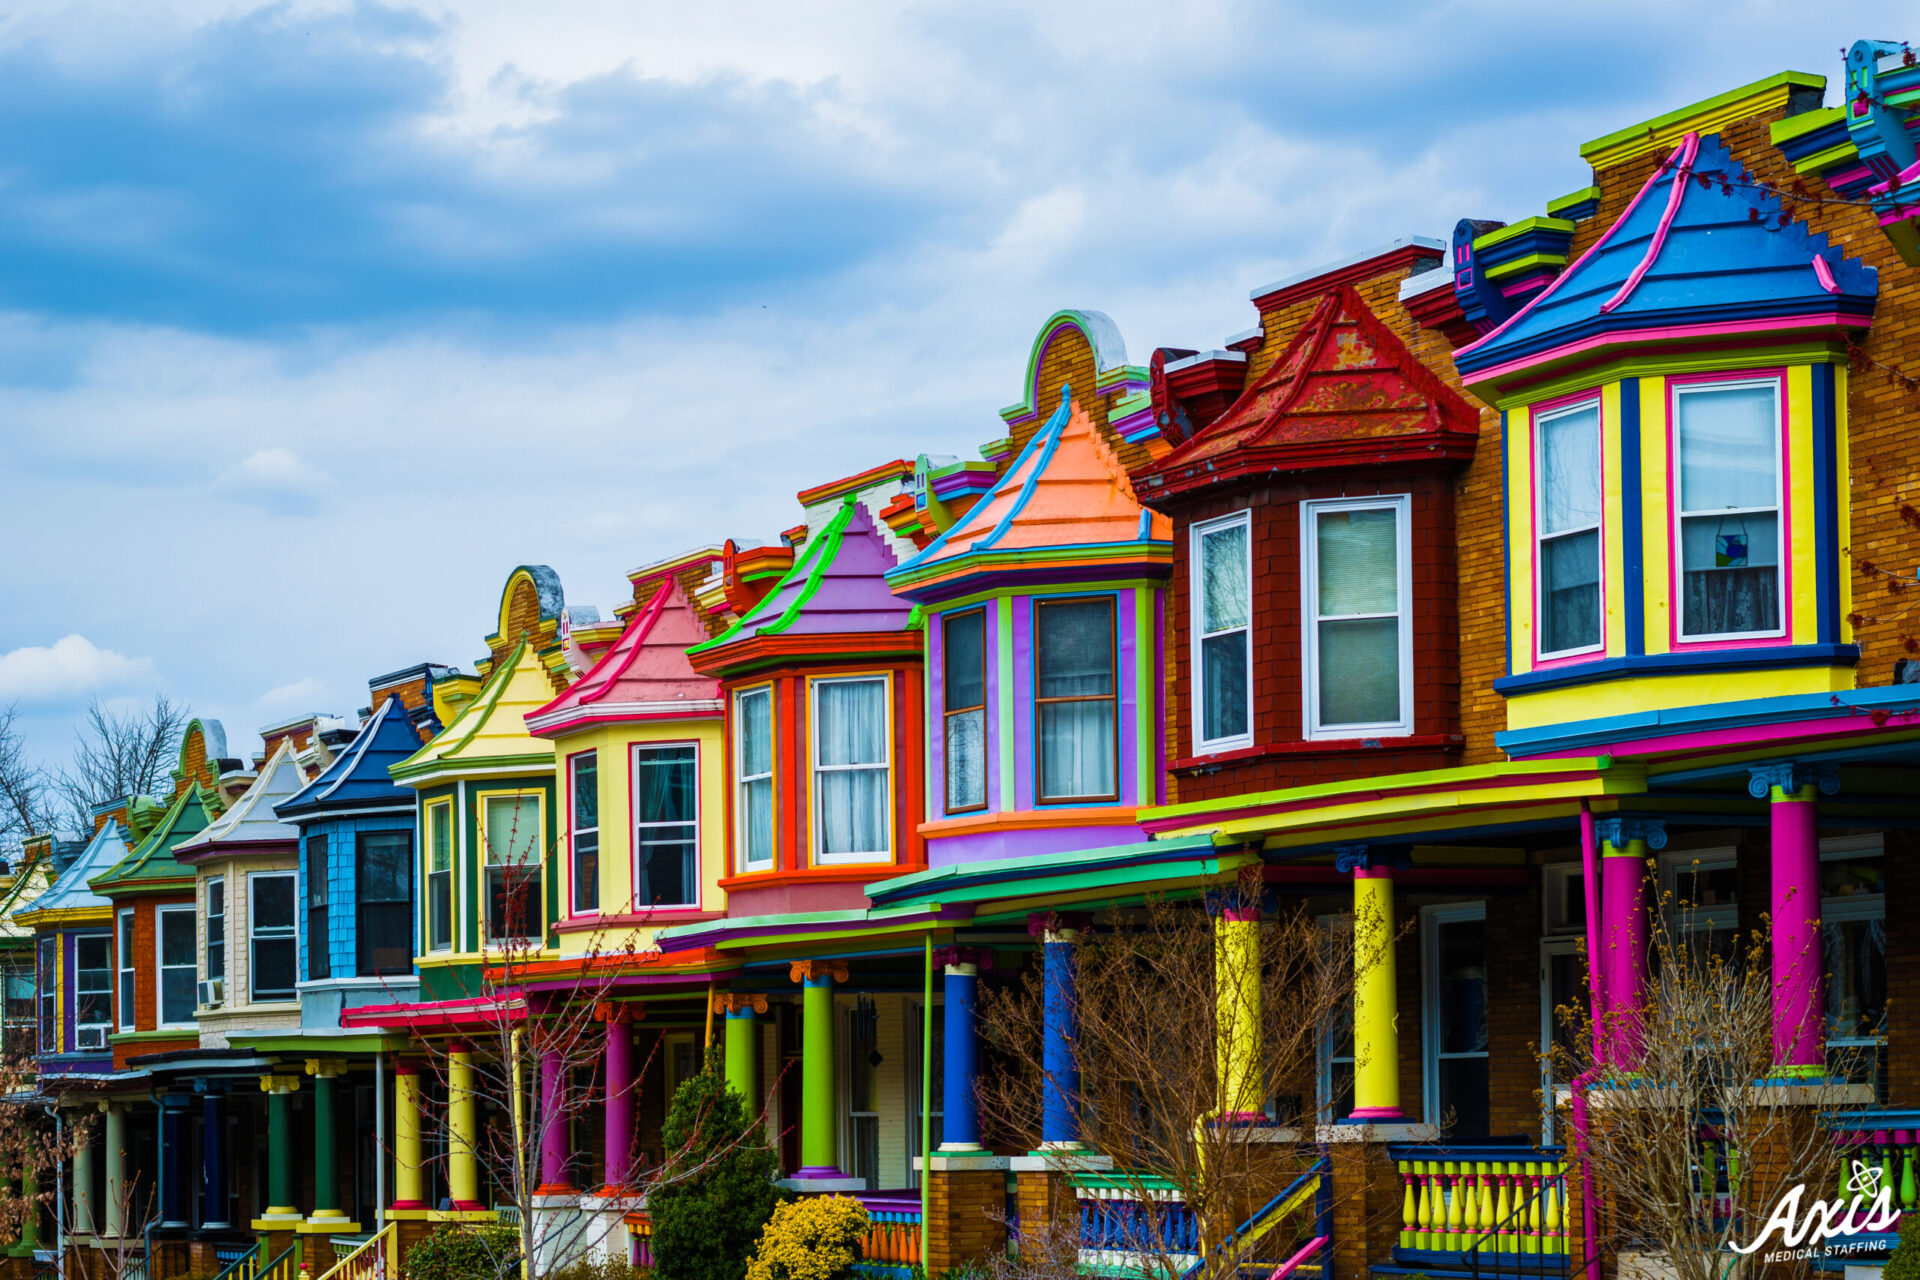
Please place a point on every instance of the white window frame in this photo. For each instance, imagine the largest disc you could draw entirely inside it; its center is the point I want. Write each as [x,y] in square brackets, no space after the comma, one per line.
[434,813]
[223,916]
[1839,908]
[633,854]
[742,855]
[1599,526]
[1550,949]
[104,1028]
[160,969]
[1431,918]
[1401,504]
[1197,634]
[1676,863]
[815,769]
[1335,924]
[253,934]
[126,990]
[1557,880]
[1778,510]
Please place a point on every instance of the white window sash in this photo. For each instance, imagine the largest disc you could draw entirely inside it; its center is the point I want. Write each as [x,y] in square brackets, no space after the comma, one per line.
[273,933]
[1198,634]
[1540,539]
[1310,512]
[128,978]
[1675,549]
[161,968]
[1431,918]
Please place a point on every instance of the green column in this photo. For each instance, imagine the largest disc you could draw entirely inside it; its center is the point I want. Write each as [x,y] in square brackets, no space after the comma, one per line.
[280,1193]
[30,1226]
[326,1165]
[819,1136]
[743,1046]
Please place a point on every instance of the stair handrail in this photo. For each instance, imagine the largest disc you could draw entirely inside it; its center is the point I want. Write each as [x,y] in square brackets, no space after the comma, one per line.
[237,1269]
[1470,1256]
[382,1241]
[1272,1213]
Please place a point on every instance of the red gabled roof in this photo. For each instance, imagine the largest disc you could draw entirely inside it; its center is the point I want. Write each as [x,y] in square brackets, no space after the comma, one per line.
[1345,393]
[644,674]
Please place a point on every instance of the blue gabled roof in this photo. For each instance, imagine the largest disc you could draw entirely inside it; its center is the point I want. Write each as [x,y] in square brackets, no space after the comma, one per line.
[71,892]
[357,778]
[1725,256]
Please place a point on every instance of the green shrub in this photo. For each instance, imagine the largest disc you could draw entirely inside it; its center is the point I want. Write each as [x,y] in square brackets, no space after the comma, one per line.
[1904,1264]
[487,1252]
[716,1188]
[605,1269]
[817,1239]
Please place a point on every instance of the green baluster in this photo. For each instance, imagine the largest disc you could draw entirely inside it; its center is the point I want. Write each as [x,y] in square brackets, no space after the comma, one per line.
[1908,1192]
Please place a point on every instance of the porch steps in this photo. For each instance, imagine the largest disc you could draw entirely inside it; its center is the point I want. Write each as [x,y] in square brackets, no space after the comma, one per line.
[1452,1266]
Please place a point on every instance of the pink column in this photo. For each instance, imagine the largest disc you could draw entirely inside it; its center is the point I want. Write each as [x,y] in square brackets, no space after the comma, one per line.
[555,1137]
[1799,961]
[1624,845]
[619,1073]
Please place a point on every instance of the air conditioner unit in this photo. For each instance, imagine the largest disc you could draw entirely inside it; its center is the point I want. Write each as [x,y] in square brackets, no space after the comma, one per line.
[213,993]
[90,1037]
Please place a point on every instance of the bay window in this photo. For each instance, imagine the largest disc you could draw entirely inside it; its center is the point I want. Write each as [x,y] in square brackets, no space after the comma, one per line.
[1567,528]
[753,778]
[1076,703]
[439,876]
[666,826]
[217,928]
[272,935]
[851,795]
[93,990]
[1727,453]
[510,838]
[126,969]
[1359,633]
[178,965]
[319,963]
[1222,573]
[963,692]
[383,903]
[585,770]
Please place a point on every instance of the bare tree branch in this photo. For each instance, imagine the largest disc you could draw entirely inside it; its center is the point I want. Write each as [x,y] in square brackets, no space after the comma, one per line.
[120,754]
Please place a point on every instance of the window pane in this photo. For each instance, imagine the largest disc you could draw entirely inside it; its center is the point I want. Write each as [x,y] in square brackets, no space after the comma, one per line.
[1856,959]
[1224,579]
[964,659]
[1465,1097]
[1732,574]
[1076,749]
[1728,438]
[1359,565]
[853,811]
[273,968]
[756,733]
[1570,470]
[850,725]
[1570,592]
[273,899]
[385,939]
[667,867]
[176,938]
[176,995]
[439,819]
[1359,667]
[967,759]
[1074,642]
[586,871]
[513,902]
[1463,986]
[513,830]
[759,821]
[440,908]
[317,871]
[1224,660]
[319,961]
[1857,873]
[667,781]
[586,790]
[385,866]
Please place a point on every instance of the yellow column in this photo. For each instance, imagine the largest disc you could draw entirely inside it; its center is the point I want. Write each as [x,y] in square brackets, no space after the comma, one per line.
[463,1129]
[1376,1034]
[1236,985]
[408,1190]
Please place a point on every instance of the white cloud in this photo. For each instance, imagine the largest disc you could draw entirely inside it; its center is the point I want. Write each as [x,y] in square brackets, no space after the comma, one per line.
[296,696]
[277,479]
[70,667]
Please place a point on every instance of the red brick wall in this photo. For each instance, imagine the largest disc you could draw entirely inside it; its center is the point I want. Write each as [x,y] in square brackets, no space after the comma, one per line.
[146,981]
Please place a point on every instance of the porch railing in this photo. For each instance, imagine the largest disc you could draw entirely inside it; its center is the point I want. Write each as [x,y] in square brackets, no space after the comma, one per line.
[1246,1247]
[893,1242]
[1127,1219]
[1502,1203]
[253,1264]
[377,1259]
[640,1238]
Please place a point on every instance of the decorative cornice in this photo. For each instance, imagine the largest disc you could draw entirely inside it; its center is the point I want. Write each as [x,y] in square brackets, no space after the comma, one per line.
[949,957]
[817,971]
[734,1002]
[1621,832]
[1792,778]
[1371,857]
[1057,926]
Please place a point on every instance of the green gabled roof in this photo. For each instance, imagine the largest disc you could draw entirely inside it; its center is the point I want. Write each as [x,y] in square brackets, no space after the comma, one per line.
[490,733]
[150,867]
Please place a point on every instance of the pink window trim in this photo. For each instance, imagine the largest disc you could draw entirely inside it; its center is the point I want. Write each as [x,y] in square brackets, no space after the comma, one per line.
[1534,414]
[633,825]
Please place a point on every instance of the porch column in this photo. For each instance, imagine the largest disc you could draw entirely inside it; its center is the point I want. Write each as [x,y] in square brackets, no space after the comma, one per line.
[1799,959]
[173,1161]
[463,1129]
[1624,845]
[742,1045]
[960,1120]
[556,1138]
[30,1223]
[326,1166]
[213,1158]
[618,1070]
[1060,1029]
[1237,1010]
[1376,1029]
[113,1222]
[82,1223]
[409,1191]
[819,1134]
[282,1199]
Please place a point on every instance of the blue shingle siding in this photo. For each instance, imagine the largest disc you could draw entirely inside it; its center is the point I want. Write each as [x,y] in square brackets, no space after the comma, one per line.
[342,943]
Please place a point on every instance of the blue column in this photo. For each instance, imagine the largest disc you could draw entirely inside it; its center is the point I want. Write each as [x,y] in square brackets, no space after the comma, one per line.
[174,1170]
[960,1122]
[1060,1089]
[213,1165]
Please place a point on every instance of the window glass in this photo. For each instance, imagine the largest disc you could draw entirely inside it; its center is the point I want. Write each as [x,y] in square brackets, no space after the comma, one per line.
[1077,712]
[1226,588]
[666,830]
[753,719]
[1569,532]
[851,795]
[93,988]
[586,831]
[128,1006]
[1357,627]
[217,928]
[177,964]
[270,917]
[383,884]
[1460,951]
[319,963]
[1729,509]
[511,835]
[440,877]
[964,687]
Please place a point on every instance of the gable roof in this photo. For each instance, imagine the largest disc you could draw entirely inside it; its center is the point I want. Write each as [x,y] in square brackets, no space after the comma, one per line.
[1345,393]
[1687,258]
[151,867]
[71,892]
[357,779]
[1065,501]
[645,673]
[490,733]
[251,820]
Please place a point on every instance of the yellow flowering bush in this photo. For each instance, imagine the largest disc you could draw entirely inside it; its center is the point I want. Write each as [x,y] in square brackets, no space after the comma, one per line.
[813,1239]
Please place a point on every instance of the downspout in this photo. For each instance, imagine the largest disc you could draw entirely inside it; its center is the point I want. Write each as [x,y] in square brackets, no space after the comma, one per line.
[1596,995]
[59,1196]
[379,1141]
[926,1101]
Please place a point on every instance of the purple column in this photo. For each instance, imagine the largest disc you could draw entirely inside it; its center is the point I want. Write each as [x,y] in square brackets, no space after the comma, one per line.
[556,1145]
[1799,1049]
[619,1072]
[1624,845]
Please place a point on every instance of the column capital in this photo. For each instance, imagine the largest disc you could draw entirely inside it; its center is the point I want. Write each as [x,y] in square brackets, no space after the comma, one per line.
[739,1003]
[279,1084]
[1792,778]
[1621,832]
[1057,926]
[326,1068]
[1371,857]
[981,958]
[817,971]
[1233,904]
[611,1011]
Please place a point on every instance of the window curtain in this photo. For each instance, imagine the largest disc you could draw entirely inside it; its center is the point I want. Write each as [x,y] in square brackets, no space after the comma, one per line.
[1358,659]
[756,757]
[1729,502]
[963,686]
[850,748]
[1076,661]
[967,759]
[513,830]
[1225,607]
[1569,537]
[667,834]
[513,866]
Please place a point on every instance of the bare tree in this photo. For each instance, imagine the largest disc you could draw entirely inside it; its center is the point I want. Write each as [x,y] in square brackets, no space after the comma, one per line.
[33,1149]
[120,754]
[27,795]
[1162,1092]
[1690,1139]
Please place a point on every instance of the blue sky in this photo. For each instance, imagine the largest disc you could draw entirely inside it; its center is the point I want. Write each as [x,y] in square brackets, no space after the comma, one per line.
[316,319]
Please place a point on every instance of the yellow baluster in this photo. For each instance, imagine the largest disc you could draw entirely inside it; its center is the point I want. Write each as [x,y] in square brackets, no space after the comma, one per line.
[1456,1210]
[1423,1206]
[1534,1185]
[1409,1210]
[1503,1208]
[1489,1173]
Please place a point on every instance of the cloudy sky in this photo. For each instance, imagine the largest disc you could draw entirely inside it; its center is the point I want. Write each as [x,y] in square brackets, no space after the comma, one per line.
[316,319]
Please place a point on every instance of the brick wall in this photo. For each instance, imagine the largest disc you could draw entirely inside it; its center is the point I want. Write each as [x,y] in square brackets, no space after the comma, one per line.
[1068,360]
